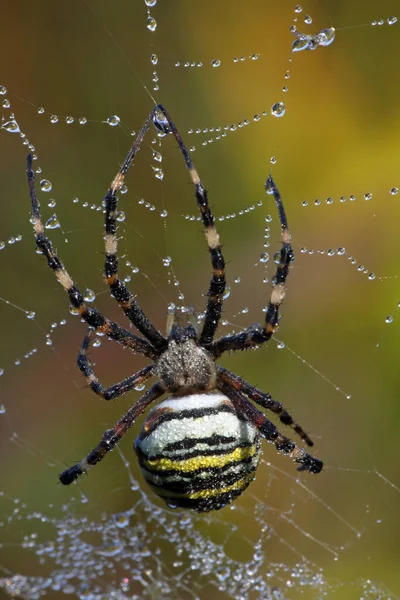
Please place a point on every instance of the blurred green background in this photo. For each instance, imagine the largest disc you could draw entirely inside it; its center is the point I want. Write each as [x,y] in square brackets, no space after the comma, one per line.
[340,136]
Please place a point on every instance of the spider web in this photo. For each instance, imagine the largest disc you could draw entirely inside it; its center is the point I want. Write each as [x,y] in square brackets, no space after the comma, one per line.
[79,81]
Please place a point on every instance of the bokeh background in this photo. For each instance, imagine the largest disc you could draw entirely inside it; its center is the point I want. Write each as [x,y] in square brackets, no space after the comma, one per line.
[340,136]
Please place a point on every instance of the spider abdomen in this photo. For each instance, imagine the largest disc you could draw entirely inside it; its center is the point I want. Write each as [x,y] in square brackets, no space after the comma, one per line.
[196,451]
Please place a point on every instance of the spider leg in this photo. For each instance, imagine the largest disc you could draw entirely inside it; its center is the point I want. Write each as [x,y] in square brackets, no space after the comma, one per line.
[116,390]
[111,437]
[119,291]
[269,431]
[257,334]
[161,119]
[217,284]
[264,400]
[90,315]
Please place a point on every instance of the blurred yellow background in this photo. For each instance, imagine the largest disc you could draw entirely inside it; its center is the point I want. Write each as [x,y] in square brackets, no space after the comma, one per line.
[340,135]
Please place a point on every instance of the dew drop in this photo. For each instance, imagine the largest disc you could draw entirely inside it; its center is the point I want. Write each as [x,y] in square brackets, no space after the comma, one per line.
[3,90]
[166,261]
[164,214]
[11,126]
[2,409]
[113,121]
[82,120]
[140,387]
[394,191]
[367,196]
[326,36]
[53,222]
[150,3]
[264,257]
[69,120]
[389,319]
[280,346]
[391,20]
[53,119]
[151,23]
[96,342]
[30,314]
[154,59]
[278,109]
[371,276]
[45,185]
[216,62]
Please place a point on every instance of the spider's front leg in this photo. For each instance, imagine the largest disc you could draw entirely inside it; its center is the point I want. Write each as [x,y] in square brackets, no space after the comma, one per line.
[258,334]
[269,431]
[113,391]
[90,315]
[111,437]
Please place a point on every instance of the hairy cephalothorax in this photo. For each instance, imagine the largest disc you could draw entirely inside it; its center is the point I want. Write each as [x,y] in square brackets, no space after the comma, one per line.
[199,448]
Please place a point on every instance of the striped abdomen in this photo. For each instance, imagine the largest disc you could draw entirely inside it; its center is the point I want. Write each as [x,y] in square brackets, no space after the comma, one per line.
[195,452]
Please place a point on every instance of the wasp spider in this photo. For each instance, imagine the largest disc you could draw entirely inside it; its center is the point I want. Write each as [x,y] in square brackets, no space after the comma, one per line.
[200,447]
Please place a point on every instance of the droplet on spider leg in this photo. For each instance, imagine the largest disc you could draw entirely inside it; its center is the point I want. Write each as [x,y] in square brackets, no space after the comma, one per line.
[226,293]
[89,295]
[161,123]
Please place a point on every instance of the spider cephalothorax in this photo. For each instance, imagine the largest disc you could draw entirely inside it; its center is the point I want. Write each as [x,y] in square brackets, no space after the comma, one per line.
[185,367]
[199,448]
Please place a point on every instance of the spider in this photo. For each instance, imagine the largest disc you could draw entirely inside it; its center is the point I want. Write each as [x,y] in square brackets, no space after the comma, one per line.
[199,448]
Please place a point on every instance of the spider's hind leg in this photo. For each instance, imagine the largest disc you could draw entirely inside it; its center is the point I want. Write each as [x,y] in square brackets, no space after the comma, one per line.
[112,437]
[269,431]
[264,400]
